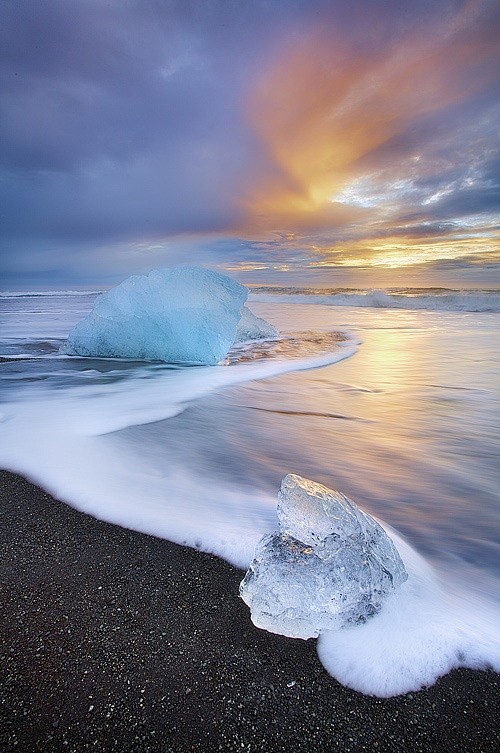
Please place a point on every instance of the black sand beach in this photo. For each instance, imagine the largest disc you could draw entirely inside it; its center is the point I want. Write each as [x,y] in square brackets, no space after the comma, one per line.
[118,642]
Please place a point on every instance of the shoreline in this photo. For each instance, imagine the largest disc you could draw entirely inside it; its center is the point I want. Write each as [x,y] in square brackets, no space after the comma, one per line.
[121,642]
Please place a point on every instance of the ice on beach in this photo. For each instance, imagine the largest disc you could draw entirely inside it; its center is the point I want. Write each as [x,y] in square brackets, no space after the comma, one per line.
[251,327]
[178,315]
[329,566]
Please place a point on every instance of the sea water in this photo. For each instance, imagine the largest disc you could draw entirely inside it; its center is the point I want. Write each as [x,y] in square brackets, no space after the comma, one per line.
[401,413]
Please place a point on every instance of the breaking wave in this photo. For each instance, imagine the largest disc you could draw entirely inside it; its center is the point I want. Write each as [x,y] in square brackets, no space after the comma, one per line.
[45,293]
[431,300]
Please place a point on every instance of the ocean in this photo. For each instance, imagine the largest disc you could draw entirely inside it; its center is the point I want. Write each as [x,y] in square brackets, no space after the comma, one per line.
[392,397]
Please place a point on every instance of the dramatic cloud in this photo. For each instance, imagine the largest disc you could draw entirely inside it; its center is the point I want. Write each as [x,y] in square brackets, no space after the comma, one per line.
[247,135]
[337,117]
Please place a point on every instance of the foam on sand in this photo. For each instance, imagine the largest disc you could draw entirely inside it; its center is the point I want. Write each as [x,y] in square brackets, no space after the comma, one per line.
[426,628]
[386,623]
[84,440]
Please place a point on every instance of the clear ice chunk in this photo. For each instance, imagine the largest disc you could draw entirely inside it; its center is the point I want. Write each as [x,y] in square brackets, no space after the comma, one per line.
[329,566]
[178,315]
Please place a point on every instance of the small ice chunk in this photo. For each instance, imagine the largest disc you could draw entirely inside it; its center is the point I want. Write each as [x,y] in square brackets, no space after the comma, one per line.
[329,566]
[178,315]
[251,327]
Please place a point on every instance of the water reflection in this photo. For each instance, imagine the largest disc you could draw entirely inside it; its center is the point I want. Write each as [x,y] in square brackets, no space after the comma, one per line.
[407,427]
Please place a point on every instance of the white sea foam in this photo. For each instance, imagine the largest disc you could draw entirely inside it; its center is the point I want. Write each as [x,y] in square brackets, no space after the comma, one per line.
[96,409]
[87,445]
[120,482]
[426,628]
[473,301]
[69,442]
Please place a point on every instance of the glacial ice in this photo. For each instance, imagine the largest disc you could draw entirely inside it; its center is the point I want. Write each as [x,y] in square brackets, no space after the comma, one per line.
[329,566]
[251,327]
[177,315]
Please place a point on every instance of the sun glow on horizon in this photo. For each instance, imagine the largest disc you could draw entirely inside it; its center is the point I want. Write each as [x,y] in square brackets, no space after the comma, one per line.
[397,252]
[335,122]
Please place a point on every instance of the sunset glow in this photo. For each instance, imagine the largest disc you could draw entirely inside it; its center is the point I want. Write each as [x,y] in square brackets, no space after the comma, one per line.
[395,252]
[337,124]
[249,427]
[265,137]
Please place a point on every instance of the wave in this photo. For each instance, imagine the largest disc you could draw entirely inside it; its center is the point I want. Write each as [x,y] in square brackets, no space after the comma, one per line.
[144,452]
[427,627]
[133,478]
[438,300]
[420,299]
[46,293]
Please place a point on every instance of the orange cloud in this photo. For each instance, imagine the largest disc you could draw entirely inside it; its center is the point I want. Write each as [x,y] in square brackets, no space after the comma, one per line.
[324,106]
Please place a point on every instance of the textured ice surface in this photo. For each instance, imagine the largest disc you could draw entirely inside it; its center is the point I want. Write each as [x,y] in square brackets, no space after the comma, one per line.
[329,566]
[178,315]
[251,327]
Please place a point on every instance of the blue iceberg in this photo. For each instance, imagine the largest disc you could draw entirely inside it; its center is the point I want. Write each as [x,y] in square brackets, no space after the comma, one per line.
[179,315]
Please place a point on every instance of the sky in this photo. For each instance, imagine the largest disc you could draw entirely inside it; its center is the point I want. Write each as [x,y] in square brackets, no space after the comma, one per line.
[284,141]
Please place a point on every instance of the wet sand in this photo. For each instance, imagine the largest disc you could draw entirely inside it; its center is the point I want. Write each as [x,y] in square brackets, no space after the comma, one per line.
[118,642]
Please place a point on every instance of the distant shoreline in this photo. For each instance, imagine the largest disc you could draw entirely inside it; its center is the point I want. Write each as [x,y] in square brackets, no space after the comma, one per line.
[142,645]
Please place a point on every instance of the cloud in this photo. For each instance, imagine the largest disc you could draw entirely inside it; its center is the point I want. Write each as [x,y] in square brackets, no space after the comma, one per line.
[331,111]
[118,120]
[250,133]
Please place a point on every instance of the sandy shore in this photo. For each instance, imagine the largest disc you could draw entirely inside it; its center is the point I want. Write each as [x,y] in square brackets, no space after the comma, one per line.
[118,642]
